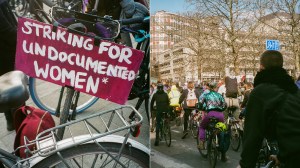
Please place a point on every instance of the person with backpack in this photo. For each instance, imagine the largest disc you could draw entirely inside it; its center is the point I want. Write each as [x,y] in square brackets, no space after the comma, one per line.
[8,42]
[160,97]
[230,93]
[188,99]
[272,113]
[213,104]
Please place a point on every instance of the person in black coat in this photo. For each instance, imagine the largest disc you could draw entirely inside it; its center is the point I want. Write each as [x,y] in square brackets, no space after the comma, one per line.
[8,42]
[162,101]
[187,110]
[273,112]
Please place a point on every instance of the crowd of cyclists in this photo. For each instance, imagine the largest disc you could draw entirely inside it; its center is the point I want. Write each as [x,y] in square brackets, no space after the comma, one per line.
[269,108]
[208,96]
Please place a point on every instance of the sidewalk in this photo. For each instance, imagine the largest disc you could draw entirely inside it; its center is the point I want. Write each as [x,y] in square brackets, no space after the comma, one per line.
[7,137]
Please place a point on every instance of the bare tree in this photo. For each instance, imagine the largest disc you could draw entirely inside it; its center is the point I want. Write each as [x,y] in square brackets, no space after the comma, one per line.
[236,22]
[287,26]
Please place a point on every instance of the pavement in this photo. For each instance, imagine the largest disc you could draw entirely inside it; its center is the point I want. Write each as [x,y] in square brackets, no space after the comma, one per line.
[7,137]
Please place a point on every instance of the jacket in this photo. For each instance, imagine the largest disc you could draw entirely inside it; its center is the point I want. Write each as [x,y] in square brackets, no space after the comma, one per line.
[212,101]
[162,101]
[183,97]
[273,112]
[174,96]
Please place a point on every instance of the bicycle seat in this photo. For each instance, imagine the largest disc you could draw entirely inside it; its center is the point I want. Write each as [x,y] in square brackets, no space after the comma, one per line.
[13,90]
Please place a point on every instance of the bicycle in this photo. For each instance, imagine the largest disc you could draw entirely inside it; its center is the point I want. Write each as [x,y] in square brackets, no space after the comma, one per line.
[267,149]
[193,122]
[108,150]
[140,87]
[234,129]
[211,142]
[165,129]
[177,110]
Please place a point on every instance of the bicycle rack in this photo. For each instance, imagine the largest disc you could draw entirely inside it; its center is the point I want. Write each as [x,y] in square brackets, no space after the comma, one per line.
[92,127]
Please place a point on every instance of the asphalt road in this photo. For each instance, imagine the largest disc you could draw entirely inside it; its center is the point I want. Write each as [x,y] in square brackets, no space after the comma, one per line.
[183,153]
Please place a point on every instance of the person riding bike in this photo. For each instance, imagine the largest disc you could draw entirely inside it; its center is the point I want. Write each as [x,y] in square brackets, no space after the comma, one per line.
[162,101]
[189,95]
[272,113]
[174,96]
[214,104]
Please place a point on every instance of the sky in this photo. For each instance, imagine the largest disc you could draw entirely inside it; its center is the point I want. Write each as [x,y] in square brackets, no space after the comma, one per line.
[173,6]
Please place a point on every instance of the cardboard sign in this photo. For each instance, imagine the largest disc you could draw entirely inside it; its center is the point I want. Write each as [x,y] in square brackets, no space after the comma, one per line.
[67,59]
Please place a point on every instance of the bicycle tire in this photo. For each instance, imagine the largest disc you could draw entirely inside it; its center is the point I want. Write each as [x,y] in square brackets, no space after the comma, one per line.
[64,115]
[235,138]
[167,133]
[212,152]
[203,152]
[135,156]
[193,128]
[40,102]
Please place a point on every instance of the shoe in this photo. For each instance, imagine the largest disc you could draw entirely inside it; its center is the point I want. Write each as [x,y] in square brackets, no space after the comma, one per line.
[185,133]
[224,158]
[156,143]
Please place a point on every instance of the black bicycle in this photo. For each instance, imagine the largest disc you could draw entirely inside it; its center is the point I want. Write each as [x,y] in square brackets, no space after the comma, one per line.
[267,149]
[211,142]
[165,129]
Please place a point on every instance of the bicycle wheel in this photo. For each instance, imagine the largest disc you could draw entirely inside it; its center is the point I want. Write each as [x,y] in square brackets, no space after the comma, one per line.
[235,138]
[44,98]
[65,112]
[167,133]
[193,127]
[91,155]
[203,152]
[212,152]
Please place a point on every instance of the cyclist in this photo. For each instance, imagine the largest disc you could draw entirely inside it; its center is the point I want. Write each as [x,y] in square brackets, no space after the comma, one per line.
[8,41]
[161,99]
[272,113]
[174,95]
[214,104]
[188,94]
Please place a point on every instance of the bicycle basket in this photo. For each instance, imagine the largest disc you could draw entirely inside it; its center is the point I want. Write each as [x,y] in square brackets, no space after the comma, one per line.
[96,26]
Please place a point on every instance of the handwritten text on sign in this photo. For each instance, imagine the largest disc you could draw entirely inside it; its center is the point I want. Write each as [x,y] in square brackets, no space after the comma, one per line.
[106,71]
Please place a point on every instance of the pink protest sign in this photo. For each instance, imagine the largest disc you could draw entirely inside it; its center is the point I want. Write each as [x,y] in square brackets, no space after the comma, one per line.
[106,71]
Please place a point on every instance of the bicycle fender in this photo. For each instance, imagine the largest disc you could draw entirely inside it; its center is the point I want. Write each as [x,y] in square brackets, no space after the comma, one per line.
[69,143]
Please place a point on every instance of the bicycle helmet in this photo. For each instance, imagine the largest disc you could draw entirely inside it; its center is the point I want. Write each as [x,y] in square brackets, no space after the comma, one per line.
[212,85]
[160,87]
[221,126]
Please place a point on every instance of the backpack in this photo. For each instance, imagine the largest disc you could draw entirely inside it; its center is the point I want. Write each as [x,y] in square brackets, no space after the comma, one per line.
[191,98]
[29,122]
[231,86]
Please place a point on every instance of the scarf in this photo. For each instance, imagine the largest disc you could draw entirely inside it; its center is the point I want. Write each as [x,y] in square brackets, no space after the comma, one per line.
[277,76]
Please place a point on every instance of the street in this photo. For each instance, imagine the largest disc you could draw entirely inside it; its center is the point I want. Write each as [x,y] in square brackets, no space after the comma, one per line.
[183,153]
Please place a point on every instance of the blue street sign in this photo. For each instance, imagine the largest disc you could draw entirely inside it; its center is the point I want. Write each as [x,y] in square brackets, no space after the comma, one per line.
[272,45]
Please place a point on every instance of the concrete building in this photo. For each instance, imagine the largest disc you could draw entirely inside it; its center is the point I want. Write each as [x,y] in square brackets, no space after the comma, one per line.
[173,61]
